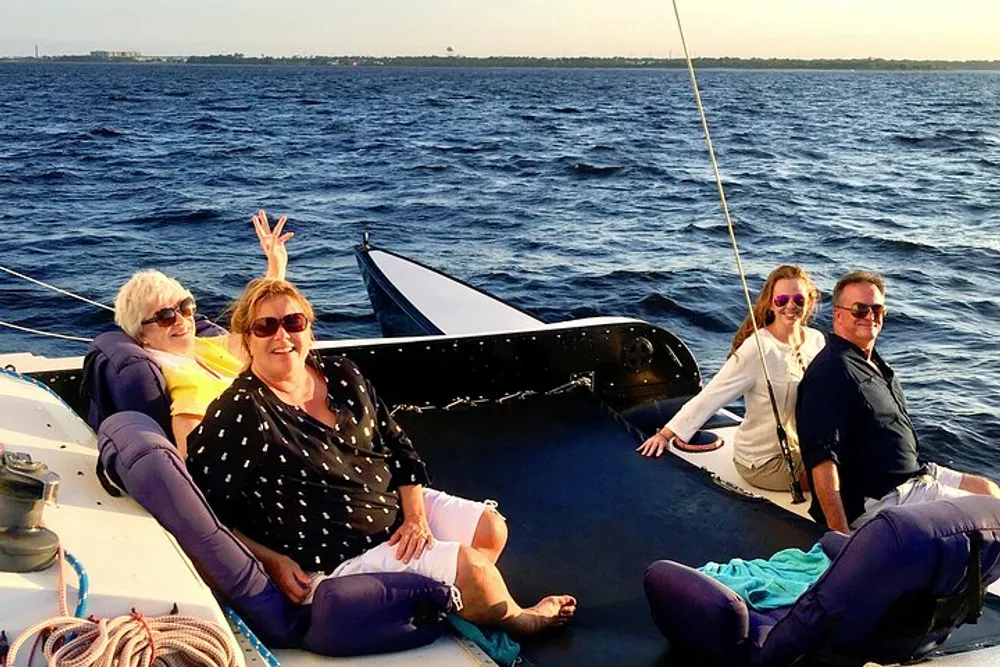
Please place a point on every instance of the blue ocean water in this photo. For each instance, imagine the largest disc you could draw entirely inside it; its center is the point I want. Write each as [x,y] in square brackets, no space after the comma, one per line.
[567,192]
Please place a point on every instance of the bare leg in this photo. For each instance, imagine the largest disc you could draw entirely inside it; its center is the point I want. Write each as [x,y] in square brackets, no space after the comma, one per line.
[979,485]
[488,602]
[491,534]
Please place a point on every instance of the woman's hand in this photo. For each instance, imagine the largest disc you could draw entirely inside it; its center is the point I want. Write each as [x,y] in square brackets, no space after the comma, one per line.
[412,537]
[288,577]
[656,445]
[285,572]
[273,243]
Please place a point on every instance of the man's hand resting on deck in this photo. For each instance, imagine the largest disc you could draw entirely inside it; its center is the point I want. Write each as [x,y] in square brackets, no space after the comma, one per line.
[826,487]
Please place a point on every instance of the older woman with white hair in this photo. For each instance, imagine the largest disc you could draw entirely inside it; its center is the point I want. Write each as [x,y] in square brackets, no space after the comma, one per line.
[158,312]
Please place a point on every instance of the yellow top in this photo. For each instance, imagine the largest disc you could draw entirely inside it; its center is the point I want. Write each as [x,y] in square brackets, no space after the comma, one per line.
[194,385]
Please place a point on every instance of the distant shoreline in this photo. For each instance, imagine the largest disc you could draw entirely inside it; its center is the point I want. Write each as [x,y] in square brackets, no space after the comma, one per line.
[864,64]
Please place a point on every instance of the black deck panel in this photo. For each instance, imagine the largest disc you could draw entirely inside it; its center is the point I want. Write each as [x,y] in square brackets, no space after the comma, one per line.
[630,363]
[587,515]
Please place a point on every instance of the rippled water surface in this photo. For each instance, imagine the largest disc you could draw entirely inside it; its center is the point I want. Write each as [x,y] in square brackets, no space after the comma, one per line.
[568,192]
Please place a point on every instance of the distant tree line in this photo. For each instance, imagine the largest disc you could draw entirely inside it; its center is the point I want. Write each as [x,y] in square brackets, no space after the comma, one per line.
[593,62]
[574,62]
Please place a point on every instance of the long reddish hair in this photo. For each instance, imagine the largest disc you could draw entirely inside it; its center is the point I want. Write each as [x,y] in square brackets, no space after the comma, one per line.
[762,307]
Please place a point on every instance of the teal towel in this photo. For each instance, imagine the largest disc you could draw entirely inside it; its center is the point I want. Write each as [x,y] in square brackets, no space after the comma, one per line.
[774,583]
[496,643]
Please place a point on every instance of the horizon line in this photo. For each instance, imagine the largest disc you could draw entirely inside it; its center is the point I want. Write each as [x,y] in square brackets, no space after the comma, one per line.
[123,55]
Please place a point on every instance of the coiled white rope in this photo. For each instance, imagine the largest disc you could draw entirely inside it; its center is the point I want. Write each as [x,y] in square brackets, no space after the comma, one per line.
[127,641]
[130,641]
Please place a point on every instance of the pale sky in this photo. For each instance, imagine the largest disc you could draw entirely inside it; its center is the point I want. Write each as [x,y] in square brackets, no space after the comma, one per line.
[904,29]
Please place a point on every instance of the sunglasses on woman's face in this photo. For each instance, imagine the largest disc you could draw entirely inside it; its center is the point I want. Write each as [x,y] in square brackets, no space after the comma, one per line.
[861,310]
[166,317]
[265,327]
[781,300]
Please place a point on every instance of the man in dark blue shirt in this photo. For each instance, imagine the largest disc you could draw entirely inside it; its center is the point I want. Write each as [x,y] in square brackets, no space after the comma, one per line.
[856,437]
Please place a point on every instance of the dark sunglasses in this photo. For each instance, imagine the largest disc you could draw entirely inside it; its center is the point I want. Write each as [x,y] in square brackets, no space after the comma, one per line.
[166,317]
[861,310]
[781,300]
[265,327]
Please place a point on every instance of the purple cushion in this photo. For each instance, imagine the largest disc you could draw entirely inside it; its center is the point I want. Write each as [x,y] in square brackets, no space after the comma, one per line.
[118,374]
[134,447]
[913,553]
[351,615]
[387,612]
[696,613]
[833,542]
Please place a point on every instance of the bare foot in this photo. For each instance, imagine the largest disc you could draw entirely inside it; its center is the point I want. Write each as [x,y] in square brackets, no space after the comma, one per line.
[550,612]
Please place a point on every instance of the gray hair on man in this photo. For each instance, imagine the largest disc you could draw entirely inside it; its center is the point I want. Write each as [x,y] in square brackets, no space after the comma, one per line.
[855,277]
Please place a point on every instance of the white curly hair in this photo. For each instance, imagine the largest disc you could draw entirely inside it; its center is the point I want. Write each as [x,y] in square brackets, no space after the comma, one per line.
[136,295]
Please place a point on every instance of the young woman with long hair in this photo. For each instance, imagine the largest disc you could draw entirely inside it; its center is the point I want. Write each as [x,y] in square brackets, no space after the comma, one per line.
[782,310]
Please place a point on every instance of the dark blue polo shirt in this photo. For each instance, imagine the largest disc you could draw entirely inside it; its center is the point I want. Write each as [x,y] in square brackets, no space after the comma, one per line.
[854,415]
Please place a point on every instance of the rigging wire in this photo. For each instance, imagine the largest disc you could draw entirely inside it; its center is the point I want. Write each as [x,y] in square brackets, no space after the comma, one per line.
[57,289]
[786,452]
[44,333]
[50,334]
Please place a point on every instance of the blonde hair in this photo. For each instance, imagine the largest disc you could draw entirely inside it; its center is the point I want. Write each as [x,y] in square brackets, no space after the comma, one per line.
[762,307]
[135,296]
[256,292]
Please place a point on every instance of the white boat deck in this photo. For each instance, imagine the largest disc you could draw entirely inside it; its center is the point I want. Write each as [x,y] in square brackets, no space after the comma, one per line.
[129,559]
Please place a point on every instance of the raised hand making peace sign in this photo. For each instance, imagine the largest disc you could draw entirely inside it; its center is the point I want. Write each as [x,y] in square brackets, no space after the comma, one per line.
[272,242]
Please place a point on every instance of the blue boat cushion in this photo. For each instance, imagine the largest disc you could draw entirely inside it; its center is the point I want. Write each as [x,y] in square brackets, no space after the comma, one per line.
[349,616]
[699,615]
[922,557]
[376,613]
[702,617]
[118,374]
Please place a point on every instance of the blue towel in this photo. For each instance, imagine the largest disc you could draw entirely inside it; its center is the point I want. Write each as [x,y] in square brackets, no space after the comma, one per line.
[774,583]
[495,643]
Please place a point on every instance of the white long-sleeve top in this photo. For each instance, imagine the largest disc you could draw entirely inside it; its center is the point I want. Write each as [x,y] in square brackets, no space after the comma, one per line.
[756,439]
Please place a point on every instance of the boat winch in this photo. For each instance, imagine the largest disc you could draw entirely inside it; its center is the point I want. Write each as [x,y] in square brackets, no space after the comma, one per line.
[25,486]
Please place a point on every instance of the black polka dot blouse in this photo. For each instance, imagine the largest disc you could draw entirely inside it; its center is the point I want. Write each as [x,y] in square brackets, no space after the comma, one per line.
[318,494]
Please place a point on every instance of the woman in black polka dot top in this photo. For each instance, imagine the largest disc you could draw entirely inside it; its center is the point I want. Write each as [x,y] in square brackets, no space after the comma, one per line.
[357,459]
[303,461]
